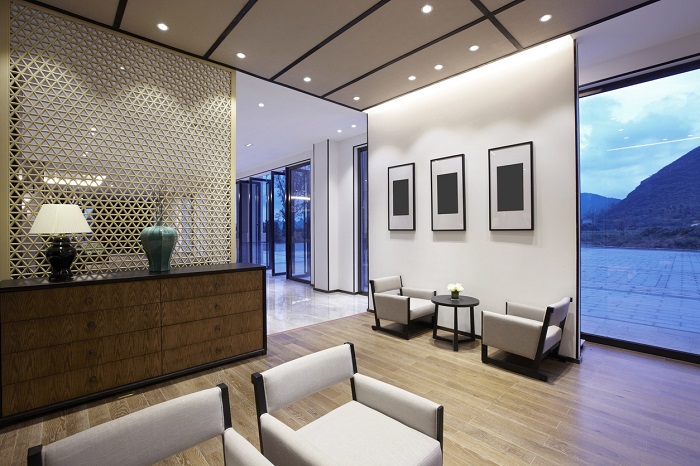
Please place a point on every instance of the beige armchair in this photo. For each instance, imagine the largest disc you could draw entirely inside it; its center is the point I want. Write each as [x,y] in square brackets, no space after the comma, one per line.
[153,434]
[382,424]
[530,332]
[397,303]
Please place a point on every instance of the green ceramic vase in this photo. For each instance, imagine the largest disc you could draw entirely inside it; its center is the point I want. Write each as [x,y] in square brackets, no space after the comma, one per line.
[158,241]
[455,294]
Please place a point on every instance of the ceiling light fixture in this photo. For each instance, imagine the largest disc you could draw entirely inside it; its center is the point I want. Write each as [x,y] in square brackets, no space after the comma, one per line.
[353,126]
[240,55]
[426,9]
[357,97]
[473,48]
[261,104]
[340,130]
[545,18]
[438,67]
[249,144]
[411,78]
[162,26]
[307,79]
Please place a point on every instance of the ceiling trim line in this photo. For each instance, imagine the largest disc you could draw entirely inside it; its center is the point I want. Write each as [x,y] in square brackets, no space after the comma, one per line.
[485,11]
[121,8]
[244,11]
[407,54]
[328,39]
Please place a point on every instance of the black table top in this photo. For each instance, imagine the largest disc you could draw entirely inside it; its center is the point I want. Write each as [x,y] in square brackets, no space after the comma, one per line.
[463,301]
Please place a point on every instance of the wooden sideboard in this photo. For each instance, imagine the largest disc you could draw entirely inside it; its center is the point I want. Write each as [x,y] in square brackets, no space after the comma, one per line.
[67,343]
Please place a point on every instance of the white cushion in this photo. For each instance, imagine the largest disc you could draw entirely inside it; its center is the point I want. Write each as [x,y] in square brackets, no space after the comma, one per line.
[421,307]
[354,434]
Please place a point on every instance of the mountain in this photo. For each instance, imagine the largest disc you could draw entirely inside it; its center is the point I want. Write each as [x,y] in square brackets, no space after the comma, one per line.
[593,204]
[668,198]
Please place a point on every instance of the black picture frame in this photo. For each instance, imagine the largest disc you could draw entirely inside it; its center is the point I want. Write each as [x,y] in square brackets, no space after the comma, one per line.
[402,197]
[511,193]
[447,206]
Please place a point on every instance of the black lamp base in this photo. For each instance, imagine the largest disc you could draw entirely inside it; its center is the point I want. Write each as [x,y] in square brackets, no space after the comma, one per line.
[60,255]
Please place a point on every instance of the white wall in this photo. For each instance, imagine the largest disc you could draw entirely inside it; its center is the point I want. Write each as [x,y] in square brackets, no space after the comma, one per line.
[530,96]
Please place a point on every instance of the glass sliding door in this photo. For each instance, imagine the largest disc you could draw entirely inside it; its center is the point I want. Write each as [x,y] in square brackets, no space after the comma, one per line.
[243,221]
[299,222]
[363,223]
[259,221]
[278,220]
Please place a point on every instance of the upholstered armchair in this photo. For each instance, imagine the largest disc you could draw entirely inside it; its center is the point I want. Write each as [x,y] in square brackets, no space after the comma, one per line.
[153,434]
[382,424]
[527,331]
[397,303]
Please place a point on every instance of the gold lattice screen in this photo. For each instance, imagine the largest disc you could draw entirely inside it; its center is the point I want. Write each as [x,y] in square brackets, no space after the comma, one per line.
[113,125]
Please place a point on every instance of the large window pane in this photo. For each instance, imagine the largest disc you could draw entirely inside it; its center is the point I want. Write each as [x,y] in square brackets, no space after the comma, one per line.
[640,213]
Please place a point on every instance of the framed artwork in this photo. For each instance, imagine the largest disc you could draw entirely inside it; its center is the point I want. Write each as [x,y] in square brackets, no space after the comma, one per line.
[511,195]
[447,193]
[402,197]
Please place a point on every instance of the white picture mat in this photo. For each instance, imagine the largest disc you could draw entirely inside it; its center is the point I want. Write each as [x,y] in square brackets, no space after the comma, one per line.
[402,222]
[511,220]
[454,221]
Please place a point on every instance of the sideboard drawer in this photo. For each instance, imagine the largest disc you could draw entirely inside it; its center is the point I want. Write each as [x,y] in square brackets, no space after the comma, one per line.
[42,362]
[39,333]
[187,310]
[209,285]
[65,386]
[36,304]
[201,353]
[174,336]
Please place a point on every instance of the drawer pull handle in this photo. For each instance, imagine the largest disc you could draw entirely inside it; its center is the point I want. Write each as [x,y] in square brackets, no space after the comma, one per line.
[92,353]
[218,349]
[217,328]
[89,299]
[217,307]
[91,325]
[92,379]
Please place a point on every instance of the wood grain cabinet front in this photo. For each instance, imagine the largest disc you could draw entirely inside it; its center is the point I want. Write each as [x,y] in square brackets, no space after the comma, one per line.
[62,343]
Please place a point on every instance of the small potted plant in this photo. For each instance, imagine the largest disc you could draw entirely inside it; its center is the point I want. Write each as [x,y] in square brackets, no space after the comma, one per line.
[455,289]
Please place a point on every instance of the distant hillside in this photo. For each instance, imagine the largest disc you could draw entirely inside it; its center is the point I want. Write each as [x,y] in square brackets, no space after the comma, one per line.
[593,204]
[668,198]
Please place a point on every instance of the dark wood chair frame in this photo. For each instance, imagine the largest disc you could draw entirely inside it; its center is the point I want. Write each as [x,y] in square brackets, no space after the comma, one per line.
[409,329]
[532,369]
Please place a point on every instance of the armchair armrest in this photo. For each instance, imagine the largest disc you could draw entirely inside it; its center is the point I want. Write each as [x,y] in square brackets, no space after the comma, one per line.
[408,408]
[418,293]
[391,307]
[283,445]
[525,311]
[511,333]
[237,450]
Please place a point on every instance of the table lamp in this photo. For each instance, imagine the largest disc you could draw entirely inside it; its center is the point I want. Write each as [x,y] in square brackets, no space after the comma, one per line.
[60,220]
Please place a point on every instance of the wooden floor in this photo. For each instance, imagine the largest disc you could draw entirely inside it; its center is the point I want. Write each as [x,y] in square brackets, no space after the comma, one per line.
[617,407]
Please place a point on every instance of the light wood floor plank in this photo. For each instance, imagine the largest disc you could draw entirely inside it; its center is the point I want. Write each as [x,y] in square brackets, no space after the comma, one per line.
[617,407]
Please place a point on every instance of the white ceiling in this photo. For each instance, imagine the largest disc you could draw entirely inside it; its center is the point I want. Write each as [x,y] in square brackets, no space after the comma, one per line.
[367,48]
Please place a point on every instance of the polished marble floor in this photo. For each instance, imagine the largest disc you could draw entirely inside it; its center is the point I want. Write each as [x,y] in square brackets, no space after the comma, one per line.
[292,304]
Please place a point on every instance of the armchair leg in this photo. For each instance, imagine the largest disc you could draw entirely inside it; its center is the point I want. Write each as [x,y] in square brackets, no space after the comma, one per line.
[532,371]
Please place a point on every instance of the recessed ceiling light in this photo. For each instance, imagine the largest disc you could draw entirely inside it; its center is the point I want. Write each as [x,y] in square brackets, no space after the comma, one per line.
[353,126]
[545,18]
[438,67]
[426,9]
[307,79]
[240,55]
[473,48]
[249,144]
[357,97]
[340,130]
[411,78]
[261,104]
[162,26]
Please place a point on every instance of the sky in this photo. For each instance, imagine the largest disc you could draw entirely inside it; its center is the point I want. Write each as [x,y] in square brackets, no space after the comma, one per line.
[631,133]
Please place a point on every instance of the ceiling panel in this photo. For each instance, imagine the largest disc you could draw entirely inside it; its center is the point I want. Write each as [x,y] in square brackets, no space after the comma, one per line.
[522,20]
[275,33]
[193,26]
[395,29]
[452,53]
[494,5]
[103,11]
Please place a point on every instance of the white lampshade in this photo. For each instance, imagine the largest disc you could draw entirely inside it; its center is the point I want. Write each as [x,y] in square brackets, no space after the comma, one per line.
[59,219]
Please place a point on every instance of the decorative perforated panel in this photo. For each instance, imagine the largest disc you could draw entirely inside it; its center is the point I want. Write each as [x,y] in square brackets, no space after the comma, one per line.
[114,125]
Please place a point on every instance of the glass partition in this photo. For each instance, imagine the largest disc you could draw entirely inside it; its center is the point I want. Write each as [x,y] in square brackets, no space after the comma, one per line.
[299,222]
